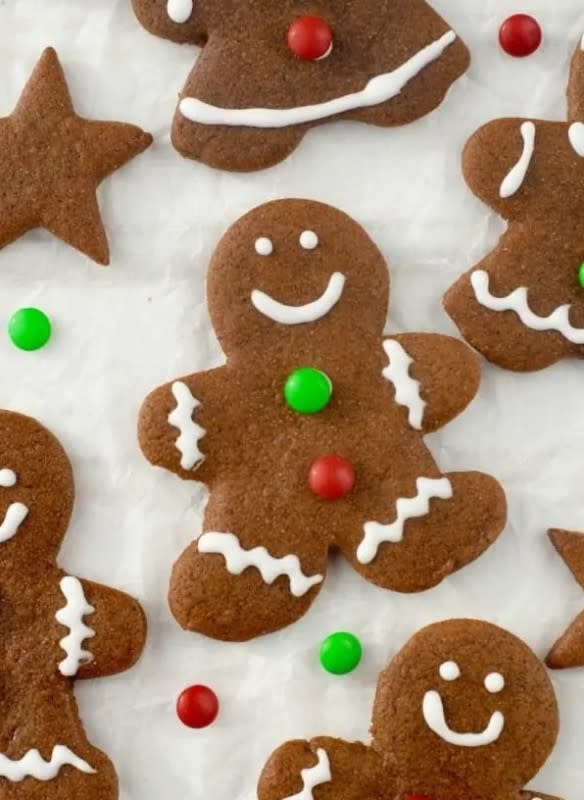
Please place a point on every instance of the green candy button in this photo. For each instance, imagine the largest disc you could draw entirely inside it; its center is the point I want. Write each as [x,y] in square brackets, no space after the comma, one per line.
[340,653]
[581,275]
[29,329]
[308,390]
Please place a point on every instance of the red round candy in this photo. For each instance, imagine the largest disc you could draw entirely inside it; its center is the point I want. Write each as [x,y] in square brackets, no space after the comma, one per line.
[331,477]
[520,35]
[310,38]
[197,706]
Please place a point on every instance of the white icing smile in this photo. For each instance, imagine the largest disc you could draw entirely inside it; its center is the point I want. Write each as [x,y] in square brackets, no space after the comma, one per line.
[378,90]
[433,711]
[558,320]
[296,315]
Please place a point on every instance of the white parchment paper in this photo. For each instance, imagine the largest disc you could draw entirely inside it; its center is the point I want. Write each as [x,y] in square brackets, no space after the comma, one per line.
[123,330]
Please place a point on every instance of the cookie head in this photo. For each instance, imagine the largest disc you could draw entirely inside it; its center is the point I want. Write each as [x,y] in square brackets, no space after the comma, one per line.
[465,705]
[293,270]
[36,492]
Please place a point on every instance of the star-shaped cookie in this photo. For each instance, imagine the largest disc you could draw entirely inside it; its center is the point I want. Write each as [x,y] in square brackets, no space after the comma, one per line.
[51,162]
[568,651]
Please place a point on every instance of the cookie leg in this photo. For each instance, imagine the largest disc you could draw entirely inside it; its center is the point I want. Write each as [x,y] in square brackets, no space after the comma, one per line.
[457,528]
[232,148]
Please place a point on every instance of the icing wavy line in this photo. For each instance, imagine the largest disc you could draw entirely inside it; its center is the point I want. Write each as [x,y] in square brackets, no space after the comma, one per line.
[378,90]
[433,712]
[33,765]
[406,508]
[181,417]
[513,182]
[309,312]
[407,389]
[237,559]
[71,616]
[313,776]
[558,320]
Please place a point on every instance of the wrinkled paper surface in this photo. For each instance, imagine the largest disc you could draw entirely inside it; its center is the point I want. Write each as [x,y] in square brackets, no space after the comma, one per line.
[121,331]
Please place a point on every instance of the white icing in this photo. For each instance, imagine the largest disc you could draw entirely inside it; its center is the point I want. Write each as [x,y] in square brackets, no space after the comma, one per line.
[237,559]
[33,765]
[576,137]
[7,478]
[296,315]
[514,180]
[179,10]
[407,390]
[449,671]
[433,711]
[15,515]
[494,682]
[263,246]
[378,90]
[406,508]
[558,320]
[190,433]
[71,616]
[308,240]
[313,776]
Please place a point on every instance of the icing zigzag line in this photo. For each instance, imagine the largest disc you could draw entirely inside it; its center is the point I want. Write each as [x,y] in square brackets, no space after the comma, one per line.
[33,765]
[237,559]
[406,508]
[190,433]
[558,320]
[313,776]
[407,390]
[71,616]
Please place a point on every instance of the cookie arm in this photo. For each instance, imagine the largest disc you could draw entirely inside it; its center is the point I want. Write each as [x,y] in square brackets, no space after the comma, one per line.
[434,377]
[119,624]
[171,425]
[326,769]
[166,18]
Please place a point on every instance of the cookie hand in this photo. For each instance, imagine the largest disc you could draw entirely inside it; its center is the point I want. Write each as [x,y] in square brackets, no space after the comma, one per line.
[435,377]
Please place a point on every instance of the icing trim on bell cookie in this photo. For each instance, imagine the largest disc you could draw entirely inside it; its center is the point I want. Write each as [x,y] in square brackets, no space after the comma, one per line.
[237,559]
[296,315]
[513,181]
[15,515]
[179,11]
[406,508]
[433,712]
[71,616]
[33,765]
[517,301]
[181,417]
[407,389]
[313,776]
[378,90]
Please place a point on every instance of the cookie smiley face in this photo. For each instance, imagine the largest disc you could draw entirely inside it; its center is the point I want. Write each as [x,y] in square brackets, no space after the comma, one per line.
[468,700]
[291,266]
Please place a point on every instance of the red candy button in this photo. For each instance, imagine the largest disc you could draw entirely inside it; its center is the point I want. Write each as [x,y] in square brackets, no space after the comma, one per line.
[197,706]
[310,38]
[331,477]
[520,35]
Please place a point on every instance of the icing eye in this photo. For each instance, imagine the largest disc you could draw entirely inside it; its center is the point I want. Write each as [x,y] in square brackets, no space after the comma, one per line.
[7,478]
[308,240]
[179,11]
[449,671]
[494,682]
[264,246]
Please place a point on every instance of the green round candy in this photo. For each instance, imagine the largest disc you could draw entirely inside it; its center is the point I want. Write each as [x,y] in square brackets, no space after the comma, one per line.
[308,390]
[29,328]
[340,653]
[581,275]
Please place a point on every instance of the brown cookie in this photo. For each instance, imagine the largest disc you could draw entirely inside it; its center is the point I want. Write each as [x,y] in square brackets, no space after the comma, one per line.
[54,628]
[522,306]
[568,651]
[297,288]
[464,710]
[53,161]
[271,71]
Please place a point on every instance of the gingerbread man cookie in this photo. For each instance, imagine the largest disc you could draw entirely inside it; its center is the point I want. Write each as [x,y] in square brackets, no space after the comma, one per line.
[568,651]
[465,710]
[54,628]
[270,71]
[522,306]
[311,435]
